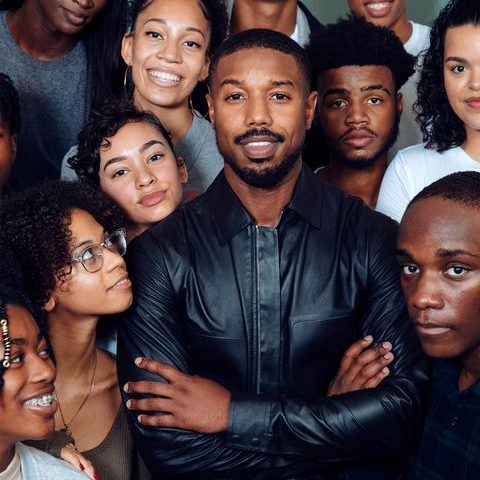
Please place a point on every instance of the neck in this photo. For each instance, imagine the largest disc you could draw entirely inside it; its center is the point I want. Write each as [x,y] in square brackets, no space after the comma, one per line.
[177,119]
[35,35]
[73,342]
[471,146]
[265,206]
[471,369]
[359,183]
[402,28]
[7,452]
[279,16]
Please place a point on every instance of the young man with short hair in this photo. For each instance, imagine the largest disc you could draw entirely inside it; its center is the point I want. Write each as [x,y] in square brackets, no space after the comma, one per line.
[415,37]
[358,70]
[438,250]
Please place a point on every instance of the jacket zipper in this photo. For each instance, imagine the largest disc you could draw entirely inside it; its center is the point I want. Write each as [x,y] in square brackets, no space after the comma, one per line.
[256,326]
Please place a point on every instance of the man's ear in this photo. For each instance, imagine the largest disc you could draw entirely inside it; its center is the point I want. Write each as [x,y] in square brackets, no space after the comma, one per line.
[182,170]
[310,109]
[13,148]
[211,110]
[50,304]
[399,100]
[127,49]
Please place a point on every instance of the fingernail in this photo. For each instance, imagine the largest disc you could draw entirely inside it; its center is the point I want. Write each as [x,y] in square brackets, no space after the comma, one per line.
[388,356]
[138,361]
[385,370]
[126,387]
[129,404]
[367,338]
[139,418]
[386,345]
[82,468]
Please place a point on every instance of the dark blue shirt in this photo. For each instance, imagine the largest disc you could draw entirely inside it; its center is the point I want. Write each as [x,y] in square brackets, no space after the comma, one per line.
[450,445]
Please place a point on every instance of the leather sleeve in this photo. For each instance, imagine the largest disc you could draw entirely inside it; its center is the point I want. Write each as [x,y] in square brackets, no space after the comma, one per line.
[268,433]
[378,422]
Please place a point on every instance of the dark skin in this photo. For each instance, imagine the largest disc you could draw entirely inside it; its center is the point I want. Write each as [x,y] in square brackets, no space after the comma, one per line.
[280,16]
[439,254]
[254,88]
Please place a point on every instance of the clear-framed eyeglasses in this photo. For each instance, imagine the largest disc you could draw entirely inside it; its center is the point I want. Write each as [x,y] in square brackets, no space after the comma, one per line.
[91,257]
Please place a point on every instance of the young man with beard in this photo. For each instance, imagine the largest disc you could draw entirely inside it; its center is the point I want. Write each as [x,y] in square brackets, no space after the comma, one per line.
[415,37]
[249,295]
[358,69]
[438,251]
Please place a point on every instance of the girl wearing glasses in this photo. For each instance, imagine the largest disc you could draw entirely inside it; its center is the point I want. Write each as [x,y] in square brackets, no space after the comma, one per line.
[68,240]
[27,399]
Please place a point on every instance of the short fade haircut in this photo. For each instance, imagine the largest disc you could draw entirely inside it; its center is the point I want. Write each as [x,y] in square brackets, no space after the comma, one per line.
[461,187]
[9,104]
[102,124]
[354,41]
[263,38]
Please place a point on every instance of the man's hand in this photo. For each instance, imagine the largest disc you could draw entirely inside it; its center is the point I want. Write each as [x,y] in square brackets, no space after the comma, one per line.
[362,367]
[186,402]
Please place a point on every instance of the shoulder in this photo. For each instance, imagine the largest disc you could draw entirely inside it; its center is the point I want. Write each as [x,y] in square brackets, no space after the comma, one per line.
[419,40]
[40,465]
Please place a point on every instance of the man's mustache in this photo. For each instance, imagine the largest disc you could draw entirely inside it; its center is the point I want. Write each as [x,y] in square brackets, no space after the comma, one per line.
[258,132]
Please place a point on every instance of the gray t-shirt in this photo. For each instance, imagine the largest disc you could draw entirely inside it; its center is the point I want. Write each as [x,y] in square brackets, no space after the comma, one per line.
[53,104]
[202,158]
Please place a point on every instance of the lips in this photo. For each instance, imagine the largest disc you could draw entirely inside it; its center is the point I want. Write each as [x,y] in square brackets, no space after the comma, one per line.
[431,329]
[257,148]
[378,9]
[76,18]
[43,404]
[473,102]
[152,199]
[358,138]
[122,283]
[164,78]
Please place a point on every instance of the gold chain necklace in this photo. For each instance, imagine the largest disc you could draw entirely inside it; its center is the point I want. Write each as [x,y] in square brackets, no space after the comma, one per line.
[66,423]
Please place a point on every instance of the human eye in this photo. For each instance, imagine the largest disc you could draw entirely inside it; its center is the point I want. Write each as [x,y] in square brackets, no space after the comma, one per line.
[456,271]
[457,69]
[409,269]
[338,103]
[17,358]
[43,350]
[155,157]
[192,44]
[375,101]
[234,97]
[121,172]
[153,34]
[280,97]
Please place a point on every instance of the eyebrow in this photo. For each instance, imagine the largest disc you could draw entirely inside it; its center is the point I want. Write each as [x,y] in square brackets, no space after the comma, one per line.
[163,22]
[345,91]
[273,83]
[378,86]
[456,59]
[144,147]
[456,252]
[403,253]
[88,241]
[21,341]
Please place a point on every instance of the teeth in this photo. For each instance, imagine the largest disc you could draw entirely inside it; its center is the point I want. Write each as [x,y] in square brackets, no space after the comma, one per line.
[259,144]
[43,401]
[164,76]
[378,6]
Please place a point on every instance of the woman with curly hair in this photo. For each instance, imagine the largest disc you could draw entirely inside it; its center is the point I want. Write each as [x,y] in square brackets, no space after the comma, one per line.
[448,110]
[69,242]
[168,50]
[27,398]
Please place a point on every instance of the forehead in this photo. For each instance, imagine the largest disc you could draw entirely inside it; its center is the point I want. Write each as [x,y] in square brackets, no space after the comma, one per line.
[355,77]
[184,11]
[434,223]
[463,41]
[21,324]
[83,224]
[133,134]
[258,67]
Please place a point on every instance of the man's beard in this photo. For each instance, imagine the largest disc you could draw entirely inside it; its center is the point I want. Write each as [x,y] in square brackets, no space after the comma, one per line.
[269,177]
[364,163]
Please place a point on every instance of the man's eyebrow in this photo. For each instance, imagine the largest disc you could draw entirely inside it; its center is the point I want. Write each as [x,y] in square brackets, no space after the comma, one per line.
[282,83]
[231,81]
[336,91]
[400,252]
[377,86]
[455,252]
[274,83]
[163,22]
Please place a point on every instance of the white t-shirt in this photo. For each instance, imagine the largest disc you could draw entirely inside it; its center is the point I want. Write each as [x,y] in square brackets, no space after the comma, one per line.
[410,133]
[412,170]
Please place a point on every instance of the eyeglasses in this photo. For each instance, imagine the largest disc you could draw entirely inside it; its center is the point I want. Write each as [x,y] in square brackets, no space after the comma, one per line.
[92,257]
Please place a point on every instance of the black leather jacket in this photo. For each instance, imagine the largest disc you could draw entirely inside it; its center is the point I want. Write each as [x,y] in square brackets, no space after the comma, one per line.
[268,313]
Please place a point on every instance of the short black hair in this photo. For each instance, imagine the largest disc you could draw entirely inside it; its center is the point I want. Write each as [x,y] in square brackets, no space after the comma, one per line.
[102,124]
[9,104]
[441,127]
[462,187]
[215,12]
[263,38]
[354,41]
[35,228]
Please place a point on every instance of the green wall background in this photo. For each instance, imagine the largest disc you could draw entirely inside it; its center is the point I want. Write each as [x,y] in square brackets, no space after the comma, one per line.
[420,11]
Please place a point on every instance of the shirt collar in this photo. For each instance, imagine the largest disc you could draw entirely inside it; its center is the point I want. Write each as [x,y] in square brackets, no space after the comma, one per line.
[230,216]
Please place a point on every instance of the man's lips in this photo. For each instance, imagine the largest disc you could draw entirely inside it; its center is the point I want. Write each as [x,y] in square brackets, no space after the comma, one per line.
[378,9]
[431,329]
[76,18]
[259,144]
[152,199]
[358,138]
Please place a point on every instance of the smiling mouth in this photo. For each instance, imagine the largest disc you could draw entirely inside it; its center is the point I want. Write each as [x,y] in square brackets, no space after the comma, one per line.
[42,401]
[259,149]
[378,9]
[164,77]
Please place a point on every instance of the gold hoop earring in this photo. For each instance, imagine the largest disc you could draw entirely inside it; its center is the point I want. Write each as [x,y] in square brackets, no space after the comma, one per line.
[126,82]
[190,103]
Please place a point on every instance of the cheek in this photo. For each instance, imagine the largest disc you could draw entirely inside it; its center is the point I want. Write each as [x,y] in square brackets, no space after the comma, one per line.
[122,194]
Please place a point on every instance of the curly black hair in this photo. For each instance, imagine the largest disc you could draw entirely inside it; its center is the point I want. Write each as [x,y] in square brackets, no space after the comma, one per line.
[34,226]
[214,10]
[103,124]
[441,127]
[461,187]
[9,104]
[354,41]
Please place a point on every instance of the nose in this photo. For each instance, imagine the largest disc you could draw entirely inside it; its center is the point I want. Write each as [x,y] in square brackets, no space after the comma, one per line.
[112,260]
[169,50]
[84,3]
[42,370]
[145,177]
[258,112]
[356,114]
[474,79]
[425,293]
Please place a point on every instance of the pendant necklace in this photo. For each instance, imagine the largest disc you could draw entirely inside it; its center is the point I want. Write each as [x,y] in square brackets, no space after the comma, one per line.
[67,423]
